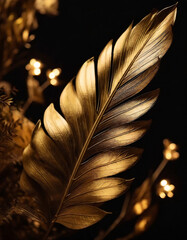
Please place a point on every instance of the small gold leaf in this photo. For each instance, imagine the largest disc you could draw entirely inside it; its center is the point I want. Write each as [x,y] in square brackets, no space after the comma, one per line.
[80,216]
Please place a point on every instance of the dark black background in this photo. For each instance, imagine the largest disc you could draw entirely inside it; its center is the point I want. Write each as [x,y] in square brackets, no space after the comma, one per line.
[80,31]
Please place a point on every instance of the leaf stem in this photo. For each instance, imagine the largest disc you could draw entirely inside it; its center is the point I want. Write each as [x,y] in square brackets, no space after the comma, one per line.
[45,85]
[26,105]
[159,169]
[117,220]
[49,229]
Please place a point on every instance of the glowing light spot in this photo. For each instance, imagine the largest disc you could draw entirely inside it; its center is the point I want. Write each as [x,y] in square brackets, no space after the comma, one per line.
[36,71]
[140,226]
[34,67]
[170,151]
[170,194]
[27,45]
[163,182]
[54,73]
[138,208]
[162,195]
[176,155]
[32,61]
[51,75]
[57,71]
[36,224]
[25,34]
[27,67]
[172,187]
[167,188]
[172,146]
[166,142]
[37,64]
[19,20]
[168,155]
[54,82]
[31,37]
[144,204]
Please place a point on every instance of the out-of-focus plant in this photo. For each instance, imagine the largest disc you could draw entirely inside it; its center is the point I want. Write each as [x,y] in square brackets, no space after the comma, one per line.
[17,20]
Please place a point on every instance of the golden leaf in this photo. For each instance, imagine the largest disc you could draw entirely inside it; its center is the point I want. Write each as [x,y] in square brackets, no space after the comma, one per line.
[72,156]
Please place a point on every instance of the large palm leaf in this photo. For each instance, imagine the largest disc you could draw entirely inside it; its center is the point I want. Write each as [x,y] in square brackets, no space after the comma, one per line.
[71,161]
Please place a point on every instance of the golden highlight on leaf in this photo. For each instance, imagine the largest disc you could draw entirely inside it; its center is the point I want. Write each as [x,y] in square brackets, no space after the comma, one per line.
[71,162]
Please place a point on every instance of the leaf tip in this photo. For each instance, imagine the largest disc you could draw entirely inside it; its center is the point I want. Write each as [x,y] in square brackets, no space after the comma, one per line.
[155,94]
